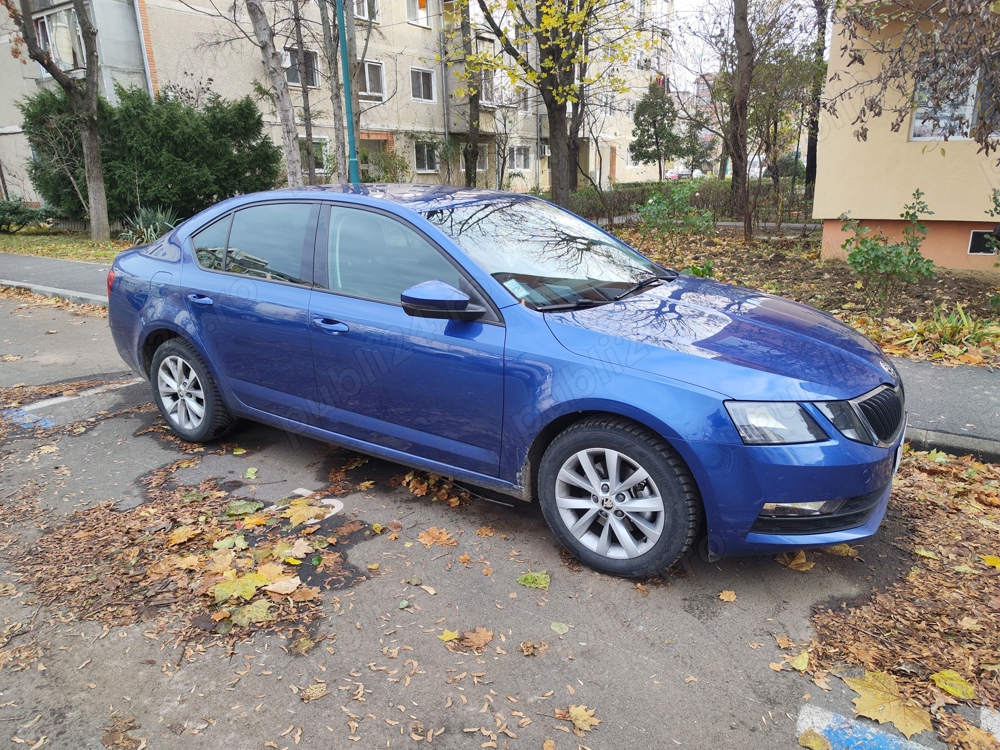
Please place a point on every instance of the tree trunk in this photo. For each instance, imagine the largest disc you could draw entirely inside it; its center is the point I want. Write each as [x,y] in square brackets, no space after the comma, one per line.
[812,123]
[97,201]
[559,164]
[738,107]
[331,41]
[355,66]
[470,153]
[724,160]
[304,83]
[283,100]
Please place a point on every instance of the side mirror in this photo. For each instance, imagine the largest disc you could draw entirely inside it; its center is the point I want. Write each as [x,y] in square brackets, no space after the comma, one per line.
[437,299]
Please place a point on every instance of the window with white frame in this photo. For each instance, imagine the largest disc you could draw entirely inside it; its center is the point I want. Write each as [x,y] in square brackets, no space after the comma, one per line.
[422,84]
[371,82]
[58,33]
[955,115]
[416,12]
[426,157]
[366,10]
[486,47]
[519,158]
[483,162]
[292,71]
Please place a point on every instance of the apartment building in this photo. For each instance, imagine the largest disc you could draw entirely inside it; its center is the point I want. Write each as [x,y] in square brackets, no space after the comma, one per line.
[412,97]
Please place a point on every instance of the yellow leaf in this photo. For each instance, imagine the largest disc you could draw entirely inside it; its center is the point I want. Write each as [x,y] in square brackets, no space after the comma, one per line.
[952,682]
[801,662]
[583,718]
[181,534]
[727,596]
[271,571]
[244,587]
[366,485]
[879,699]
[292,561]
[841,550]
[259,611]
[775,666]
[299,512]
[926,553]
[795,561]
[437,536]
[991,560]
[812,740]
[448,635]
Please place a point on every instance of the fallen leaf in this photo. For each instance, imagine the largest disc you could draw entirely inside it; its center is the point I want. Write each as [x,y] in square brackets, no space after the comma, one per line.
[437,536]
[549,745]
[879,699]
[259,611]
[727,596]
[239,451]
[775,666]
[783,641]
[448,635]
[812,740]
[284,586]
[300,512]
[795,561]
[841,550]
[560,627]
[926,553]
[583,718]
[243,507]
[952,682]
[485,531]
[250,473]
[535,580]
[243,586]
[991,560]
[313,692]
[478,639]
[181,534]
[800,662]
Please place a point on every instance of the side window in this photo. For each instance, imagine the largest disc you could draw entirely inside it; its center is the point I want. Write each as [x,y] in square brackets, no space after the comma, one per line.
[378,258]
[267,241]
[210,244]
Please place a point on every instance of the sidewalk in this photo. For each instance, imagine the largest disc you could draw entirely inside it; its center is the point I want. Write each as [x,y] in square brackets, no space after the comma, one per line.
[953,409]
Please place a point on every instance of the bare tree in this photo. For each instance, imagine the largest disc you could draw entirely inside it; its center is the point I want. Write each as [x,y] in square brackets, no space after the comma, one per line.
[82,98]
[822,9]
[304,82]
[331,46]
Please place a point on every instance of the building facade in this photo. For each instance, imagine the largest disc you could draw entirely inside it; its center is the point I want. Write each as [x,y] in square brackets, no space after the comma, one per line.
[412,99]
[873,179]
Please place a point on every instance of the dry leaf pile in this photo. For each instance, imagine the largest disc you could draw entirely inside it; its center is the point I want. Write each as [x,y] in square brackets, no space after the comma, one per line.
[936,633]
[31,299]
[422,484]
[193,560]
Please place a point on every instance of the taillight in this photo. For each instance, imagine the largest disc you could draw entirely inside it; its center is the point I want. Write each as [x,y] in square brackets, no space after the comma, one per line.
[111,280]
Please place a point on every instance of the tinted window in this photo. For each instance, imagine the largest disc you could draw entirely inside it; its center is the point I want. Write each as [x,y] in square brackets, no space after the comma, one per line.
[268,241]
[378,258]
[210,244]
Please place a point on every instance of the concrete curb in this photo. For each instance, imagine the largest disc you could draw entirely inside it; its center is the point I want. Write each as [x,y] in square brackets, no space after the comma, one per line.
[80,298]
[959,445]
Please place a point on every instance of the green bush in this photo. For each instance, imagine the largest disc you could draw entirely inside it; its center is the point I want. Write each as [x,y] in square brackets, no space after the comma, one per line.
[620,200]
[156,152]
[672,212]
[886,267]
[148,224]
[15,215]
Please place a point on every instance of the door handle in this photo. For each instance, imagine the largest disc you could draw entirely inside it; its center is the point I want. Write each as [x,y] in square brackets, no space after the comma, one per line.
[331,326]
[200,299]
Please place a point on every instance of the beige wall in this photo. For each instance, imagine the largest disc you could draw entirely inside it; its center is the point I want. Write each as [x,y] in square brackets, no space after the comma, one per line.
[872,180]
[17,80]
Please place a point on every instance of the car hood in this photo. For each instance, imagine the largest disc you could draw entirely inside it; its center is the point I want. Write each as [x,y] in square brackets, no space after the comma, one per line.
[737,342]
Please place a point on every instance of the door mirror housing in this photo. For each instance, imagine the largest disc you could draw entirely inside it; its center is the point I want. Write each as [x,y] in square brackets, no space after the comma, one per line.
[438,299]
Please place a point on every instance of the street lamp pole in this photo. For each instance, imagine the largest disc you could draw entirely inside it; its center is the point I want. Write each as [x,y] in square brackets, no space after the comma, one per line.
[352,161]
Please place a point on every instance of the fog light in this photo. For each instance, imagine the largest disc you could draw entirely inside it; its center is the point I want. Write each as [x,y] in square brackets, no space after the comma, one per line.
[819,508]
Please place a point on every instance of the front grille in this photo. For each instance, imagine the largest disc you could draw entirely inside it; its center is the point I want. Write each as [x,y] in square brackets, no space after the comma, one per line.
[855,512]
[884,412]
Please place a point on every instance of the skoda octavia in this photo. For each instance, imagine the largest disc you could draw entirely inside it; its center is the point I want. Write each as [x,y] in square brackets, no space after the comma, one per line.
[502,341]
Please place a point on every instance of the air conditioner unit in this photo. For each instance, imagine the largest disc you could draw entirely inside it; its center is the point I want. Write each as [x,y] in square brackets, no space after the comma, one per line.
[647,64]
[286,58]
[543,151]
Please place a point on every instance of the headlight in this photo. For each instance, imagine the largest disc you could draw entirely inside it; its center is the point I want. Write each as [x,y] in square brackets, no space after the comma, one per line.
[844,417]
[773,422]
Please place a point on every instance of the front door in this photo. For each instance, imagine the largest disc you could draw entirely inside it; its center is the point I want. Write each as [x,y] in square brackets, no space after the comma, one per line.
[430,388]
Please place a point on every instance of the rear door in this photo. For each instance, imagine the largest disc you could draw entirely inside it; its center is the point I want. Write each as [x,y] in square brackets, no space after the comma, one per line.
[248,298]
[431,388]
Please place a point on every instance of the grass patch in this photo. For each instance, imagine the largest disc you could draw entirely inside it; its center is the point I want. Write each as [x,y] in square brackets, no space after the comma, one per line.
[51,243]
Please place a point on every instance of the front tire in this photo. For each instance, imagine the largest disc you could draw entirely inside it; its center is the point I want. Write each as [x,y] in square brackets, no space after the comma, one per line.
[618,497]
[186,394]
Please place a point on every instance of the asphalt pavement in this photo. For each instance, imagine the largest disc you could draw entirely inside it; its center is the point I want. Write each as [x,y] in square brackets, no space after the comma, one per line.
[954,409]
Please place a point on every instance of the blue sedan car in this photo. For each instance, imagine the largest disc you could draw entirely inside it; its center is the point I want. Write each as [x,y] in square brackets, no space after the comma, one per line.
[502,341]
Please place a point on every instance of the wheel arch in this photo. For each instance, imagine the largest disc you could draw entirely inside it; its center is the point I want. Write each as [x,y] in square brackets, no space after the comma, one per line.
[545,436]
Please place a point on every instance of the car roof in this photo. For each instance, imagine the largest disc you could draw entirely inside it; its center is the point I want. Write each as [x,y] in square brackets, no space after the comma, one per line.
[419,198]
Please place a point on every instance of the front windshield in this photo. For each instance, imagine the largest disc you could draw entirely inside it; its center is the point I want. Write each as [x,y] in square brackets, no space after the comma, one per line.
[544,256]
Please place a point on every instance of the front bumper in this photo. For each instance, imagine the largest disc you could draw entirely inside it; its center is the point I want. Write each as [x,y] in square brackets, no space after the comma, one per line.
[736,481]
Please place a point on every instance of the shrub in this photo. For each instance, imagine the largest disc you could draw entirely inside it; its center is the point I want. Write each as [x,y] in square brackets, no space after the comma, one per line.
[156,152]
[886,267]
[15,215]
[385,166]
[147,224]
[620,200]
[672,213]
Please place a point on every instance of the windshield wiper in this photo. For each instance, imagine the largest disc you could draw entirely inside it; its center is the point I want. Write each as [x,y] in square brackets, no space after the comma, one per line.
[640,285]
[571,305]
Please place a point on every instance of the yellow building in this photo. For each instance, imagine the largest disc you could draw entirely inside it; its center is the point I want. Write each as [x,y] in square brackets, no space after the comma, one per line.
[872,180]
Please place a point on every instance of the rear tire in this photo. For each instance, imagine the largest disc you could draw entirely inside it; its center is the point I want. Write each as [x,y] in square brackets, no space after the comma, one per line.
[618,497]
[186,394]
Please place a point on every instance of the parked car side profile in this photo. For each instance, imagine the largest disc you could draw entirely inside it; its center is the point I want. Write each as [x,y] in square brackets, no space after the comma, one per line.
[502,341]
